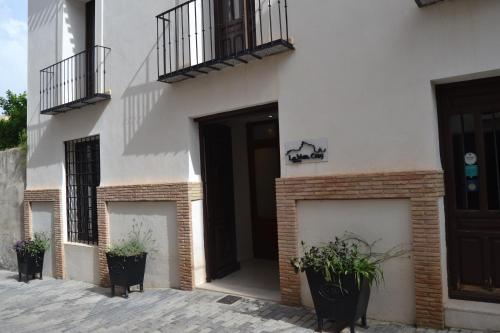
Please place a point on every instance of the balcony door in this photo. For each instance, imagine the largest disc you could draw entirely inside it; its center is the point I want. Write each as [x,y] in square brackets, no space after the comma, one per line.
[469,114]
[89,46]
[233,33]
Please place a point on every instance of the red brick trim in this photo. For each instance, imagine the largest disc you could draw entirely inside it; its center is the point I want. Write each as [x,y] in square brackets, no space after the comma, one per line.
[53,196]
[422,188]
[180,193]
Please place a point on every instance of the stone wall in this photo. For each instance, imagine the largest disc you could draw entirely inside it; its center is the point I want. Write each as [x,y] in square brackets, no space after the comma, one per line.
[12,184]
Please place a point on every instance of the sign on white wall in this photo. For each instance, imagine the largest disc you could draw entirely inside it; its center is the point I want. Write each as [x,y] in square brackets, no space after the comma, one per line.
[306,151]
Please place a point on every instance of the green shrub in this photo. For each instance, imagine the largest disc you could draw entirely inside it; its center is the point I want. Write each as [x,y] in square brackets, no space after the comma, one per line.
[348,255]
[39,243]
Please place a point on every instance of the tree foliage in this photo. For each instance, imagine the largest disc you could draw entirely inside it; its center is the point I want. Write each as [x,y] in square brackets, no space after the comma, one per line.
[13,128]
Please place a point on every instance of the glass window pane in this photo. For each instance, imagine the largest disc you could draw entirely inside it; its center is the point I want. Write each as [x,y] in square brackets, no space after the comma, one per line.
[491,135]
[466,173]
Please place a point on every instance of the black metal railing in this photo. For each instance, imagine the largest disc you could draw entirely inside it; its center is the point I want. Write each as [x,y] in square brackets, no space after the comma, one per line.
[200,36]
[74,82]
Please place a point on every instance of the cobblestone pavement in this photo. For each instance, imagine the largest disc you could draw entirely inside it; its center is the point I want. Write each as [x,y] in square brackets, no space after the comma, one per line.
[70,306]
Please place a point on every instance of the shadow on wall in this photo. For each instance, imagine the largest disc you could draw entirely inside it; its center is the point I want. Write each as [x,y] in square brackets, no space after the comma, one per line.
[42,12]
[147,114]
[46,135]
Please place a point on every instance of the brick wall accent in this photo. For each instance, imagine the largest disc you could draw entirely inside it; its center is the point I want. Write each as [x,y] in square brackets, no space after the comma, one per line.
[180,193]
[54,196]
[422,188]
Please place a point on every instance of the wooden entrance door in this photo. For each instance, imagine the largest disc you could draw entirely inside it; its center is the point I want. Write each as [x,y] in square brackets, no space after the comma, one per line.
[469,117]
[232,29]
[220,231]
[264,167]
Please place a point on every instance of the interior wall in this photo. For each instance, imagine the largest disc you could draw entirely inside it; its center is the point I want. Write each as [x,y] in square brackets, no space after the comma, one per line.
[162,265]
[384,220]
[241,181]
[42,218]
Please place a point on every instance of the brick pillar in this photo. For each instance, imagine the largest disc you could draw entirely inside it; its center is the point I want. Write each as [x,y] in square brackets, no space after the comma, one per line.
[288,248]
[54,196]
[427,262]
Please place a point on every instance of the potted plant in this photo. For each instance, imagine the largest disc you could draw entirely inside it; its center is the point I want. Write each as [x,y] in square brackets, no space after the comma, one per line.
[127,260]
[340,275]
[30,255]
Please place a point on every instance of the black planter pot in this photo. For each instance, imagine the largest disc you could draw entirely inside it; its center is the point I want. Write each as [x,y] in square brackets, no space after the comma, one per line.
[126,272]
[30,265]
[345,306]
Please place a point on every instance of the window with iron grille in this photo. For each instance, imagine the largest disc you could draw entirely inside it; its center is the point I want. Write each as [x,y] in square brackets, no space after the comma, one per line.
[82,178]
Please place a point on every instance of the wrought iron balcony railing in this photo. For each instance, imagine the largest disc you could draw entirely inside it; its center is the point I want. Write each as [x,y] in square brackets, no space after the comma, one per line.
[201,36]
[74,82]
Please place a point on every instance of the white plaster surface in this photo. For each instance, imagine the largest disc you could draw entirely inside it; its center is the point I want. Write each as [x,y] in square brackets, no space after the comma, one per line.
[162,266]
[43,219]
[384,220]
[200,269]
[81,262]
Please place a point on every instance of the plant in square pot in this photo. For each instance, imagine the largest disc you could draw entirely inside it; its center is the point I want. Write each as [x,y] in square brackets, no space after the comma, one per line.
[340,274]
[127,260]
[30,255]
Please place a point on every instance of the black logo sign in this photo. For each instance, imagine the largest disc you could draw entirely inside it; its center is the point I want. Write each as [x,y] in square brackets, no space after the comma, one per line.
[306,151]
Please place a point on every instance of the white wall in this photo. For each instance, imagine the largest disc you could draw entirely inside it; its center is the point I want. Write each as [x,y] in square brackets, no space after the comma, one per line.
[365,87]
[387,220]
[343,79]
[162,266]
[200,268]
[73,30]
[81,262]
[43,220]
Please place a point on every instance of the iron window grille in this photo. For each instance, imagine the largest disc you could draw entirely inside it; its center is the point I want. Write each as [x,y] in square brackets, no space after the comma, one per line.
[82,178]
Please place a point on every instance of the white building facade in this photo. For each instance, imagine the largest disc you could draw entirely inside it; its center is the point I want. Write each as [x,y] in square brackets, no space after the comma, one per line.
[236,129]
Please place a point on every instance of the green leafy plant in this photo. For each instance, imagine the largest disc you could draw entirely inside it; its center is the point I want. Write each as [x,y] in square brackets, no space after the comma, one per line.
[11,128]
[135,244]
[39,243]
[347,255]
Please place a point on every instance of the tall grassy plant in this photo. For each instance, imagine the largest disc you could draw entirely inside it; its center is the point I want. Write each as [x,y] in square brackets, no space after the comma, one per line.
[135,244]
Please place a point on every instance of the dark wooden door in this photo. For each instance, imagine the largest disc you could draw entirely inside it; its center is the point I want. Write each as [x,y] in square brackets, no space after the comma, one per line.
[469,117]
[264,167]
[219,201]
[89,46]
[232,30]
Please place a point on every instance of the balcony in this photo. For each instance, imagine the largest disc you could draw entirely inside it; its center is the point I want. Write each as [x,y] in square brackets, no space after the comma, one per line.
[74,82]
[202,36]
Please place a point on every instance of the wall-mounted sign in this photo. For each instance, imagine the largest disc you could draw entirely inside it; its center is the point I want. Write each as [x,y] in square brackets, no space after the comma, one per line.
[470,158]
[307,151]
[471,171]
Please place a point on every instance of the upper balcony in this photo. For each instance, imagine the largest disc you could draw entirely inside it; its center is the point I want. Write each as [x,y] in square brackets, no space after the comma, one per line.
[74,82]
[201,36]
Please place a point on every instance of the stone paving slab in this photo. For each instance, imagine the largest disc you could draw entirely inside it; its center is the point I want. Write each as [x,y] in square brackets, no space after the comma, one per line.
[69,306]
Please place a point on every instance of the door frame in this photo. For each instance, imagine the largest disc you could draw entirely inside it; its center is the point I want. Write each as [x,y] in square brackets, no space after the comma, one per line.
[216,118]
[248,28]
[252,145]
[444,92]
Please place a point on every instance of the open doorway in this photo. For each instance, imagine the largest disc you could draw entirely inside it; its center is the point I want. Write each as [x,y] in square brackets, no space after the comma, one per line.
[240,163]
